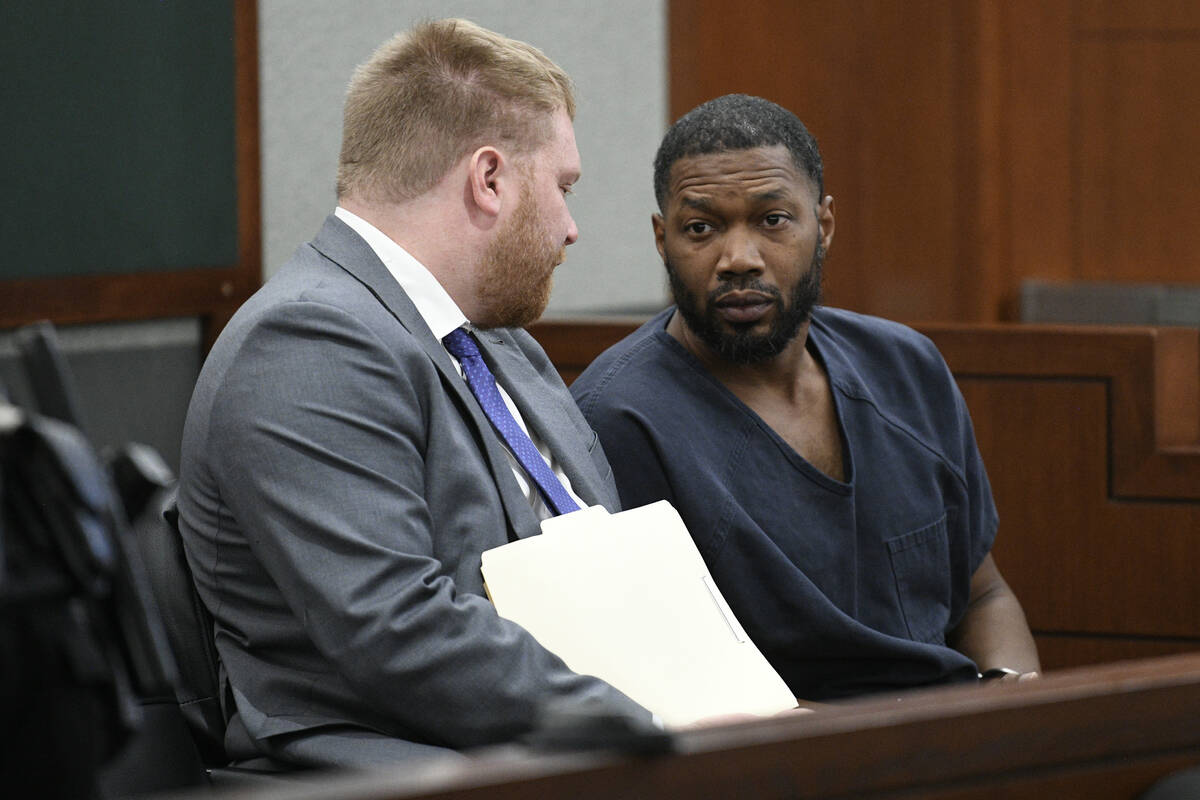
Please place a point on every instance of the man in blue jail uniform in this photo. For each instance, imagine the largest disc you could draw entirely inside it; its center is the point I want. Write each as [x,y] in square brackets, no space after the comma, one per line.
[823,460]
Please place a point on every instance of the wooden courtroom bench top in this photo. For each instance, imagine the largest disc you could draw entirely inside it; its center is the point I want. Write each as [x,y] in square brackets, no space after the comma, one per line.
[1096,732]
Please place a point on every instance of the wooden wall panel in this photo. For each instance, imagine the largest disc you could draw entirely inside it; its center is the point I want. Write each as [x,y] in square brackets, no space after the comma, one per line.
[1090,441]
[1030,174]
[877,83]
[1138,160]
[1059,650]
[1081,561]
[972,145]
[1163,15]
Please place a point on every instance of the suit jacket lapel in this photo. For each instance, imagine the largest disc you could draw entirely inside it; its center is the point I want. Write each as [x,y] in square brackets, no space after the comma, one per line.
[543,414]
[338,242]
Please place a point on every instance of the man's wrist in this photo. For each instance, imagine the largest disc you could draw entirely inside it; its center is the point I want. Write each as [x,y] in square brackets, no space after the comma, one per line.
[998,673]
[1005,674]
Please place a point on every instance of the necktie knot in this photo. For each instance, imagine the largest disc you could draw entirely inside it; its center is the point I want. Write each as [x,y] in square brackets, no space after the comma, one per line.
[461,344]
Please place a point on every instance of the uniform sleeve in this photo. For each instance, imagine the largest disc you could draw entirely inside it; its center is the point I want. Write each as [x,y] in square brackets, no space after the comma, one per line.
[945,417]
[981,517]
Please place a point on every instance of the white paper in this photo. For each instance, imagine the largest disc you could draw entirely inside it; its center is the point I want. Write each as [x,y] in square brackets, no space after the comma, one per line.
[627,597]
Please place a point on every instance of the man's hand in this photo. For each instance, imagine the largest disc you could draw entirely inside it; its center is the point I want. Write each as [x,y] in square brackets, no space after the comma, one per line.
[736,719]
[1004,675]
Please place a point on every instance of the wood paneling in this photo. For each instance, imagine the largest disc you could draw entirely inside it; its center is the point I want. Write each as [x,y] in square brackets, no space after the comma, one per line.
[1091,437]
[874,82]
[1138,164]
[1063,650]
[1161,16]
[971,145]
[1079,559]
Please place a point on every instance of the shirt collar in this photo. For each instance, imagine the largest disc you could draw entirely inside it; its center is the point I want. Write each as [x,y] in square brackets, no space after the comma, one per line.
[433,303]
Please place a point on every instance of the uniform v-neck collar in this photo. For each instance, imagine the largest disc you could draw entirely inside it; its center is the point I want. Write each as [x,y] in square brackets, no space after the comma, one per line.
[802,464]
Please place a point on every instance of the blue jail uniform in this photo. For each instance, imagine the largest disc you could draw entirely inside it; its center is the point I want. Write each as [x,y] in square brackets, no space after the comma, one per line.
[846,588]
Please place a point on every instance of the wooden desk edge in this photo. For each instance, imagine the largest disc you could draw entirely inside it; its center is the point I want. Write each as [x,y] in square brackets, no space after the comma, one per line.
[1111,714]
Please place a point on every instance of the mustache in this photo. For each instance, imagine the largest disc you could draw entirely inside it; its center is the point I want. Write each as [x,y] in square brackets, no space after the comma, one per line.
[744,284]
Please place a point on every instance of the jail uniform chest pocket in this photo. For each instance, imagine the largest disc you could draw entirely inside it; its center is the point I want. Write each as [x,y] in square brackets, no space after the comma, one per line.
[921,568]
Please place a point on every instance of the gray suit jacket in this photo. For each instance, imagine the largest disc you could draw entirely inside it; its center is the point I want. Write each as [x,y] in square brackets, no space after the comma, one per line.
[337,486]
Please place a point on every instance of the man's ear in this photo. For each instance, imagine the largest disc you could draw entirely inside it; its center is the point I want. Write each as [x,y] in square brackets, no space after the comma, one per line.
[483,178]
[660,229]
[825,221]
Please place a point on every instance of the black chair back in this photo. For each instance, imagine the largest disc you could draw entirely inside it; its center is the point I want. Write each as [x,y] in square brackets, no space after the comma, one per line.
[189,626]
[79,617]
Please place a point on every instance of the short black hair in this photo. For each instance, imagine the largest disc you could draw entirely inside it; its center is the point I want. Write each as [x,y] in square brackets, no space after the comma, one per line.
[736,122]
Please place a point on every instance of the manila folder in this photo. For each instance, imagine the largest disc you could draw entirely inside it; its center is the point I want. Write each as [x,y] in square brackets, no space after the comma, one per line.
[627,597]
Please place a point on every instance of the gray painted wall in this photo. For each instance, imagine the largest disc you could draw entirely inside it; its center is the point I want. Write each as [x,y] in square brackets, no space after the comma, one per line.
[614,51]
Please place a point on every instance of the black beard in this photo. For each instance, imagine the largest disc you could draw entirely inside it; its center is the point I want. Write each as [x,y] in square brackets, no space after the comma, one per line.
[735,343]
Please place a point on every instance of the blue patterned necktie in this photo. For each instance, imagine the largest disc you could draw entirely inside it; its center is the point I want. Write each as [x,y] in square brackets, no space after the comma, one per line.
[483,385]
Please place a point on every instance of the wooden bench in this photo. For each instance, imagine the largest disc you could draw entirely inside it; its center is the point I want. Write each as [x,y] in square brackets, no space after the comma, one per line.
[1095,732]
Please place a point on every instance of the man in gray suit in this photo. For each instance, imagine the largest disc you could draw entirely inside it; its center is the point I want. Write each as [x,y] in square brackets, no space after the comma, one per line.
[339,477]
